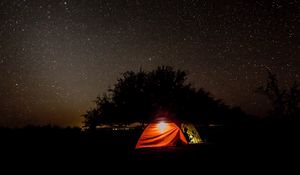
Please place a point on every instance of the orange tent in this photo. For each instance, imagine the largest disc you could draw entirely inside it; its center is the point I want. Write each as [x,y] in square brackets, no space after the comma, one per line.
[161,133]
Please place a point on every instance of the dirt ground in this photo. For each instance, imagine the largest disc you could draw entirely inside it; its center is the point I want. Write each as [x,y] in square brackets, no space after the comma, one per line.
[75,150]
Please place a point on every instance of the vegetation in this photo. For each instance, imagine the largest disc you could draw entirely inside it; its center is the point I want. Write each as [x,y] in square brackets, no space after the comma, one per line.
[285,102]
[133,96]
[137,96]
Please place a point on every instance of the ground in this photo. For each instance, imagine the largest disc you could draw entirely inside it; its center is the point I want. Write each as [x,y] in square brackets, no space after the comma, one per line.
[93,151]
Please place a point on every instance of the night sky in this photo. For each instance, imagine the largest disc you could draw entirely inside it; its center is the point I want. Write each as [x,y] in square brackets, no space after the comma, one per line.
[56,56]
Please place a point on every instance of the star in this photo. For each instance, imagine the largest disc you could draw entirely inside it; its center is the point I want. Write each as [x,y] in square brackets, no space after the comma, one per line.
[61,55]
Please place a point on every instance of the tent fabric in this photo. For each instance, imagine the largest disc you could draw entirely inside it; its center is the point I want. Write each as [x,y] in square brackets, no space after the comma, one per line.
[160,134]
[191,133]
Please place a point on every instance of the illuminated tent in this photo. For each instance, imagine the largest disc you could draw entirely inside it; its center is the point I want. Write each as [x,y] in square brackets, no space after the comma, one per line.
[161,133]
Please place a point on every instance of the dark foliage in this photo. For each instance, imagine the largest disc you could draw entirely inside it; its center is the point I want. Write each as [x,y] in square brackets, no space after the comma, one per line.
[285,102]
[137,96]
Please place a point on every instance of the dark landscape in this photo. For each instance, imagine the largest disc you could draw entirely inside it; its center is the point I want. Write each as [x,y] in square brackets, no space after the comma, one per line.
[253,146]
[138,85]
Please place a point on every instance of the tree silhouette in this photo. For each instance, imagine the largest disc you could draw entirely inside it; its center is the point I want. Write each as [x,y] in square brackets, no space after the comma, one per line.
[91,119]
[138,96]
[293,100]
[285,102]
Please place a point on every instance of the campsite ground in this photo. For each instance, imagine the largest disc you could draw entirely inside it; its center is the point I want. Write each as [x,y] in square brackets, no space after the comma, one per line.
[52,148]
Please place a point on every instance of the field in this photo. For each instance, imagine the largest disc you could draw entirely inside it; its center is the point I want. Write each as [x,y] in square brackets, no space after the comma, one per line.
[55,148]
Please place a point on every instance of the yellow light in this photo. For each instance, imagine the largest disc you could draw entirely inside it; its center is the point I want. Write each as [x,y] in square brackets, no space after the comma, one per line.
[162,126]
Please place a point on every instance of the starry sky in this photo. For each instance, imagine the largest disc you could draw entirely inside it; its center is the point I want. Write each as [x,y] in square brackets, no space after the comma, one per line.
[56,56]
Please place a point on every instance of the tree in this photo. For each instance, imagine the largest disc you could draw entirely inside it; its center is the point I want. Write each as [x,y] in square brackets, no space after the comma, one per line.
[285,102]
[293,100]
[138,96]
[91,119]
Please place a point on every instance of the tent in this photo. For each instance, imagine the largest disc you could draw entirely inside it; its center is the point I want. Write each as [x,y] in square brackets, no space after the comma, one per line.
[191,133]
[163,131]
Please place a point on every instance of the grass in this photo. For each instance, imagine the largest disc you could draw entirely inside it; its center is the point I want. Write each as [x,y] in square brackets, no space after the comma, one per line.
[53,148]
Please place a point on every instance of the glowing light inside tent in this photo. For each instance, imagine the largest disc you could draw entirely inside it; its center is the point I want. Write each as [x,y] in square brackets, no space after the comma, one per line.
[162,126]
